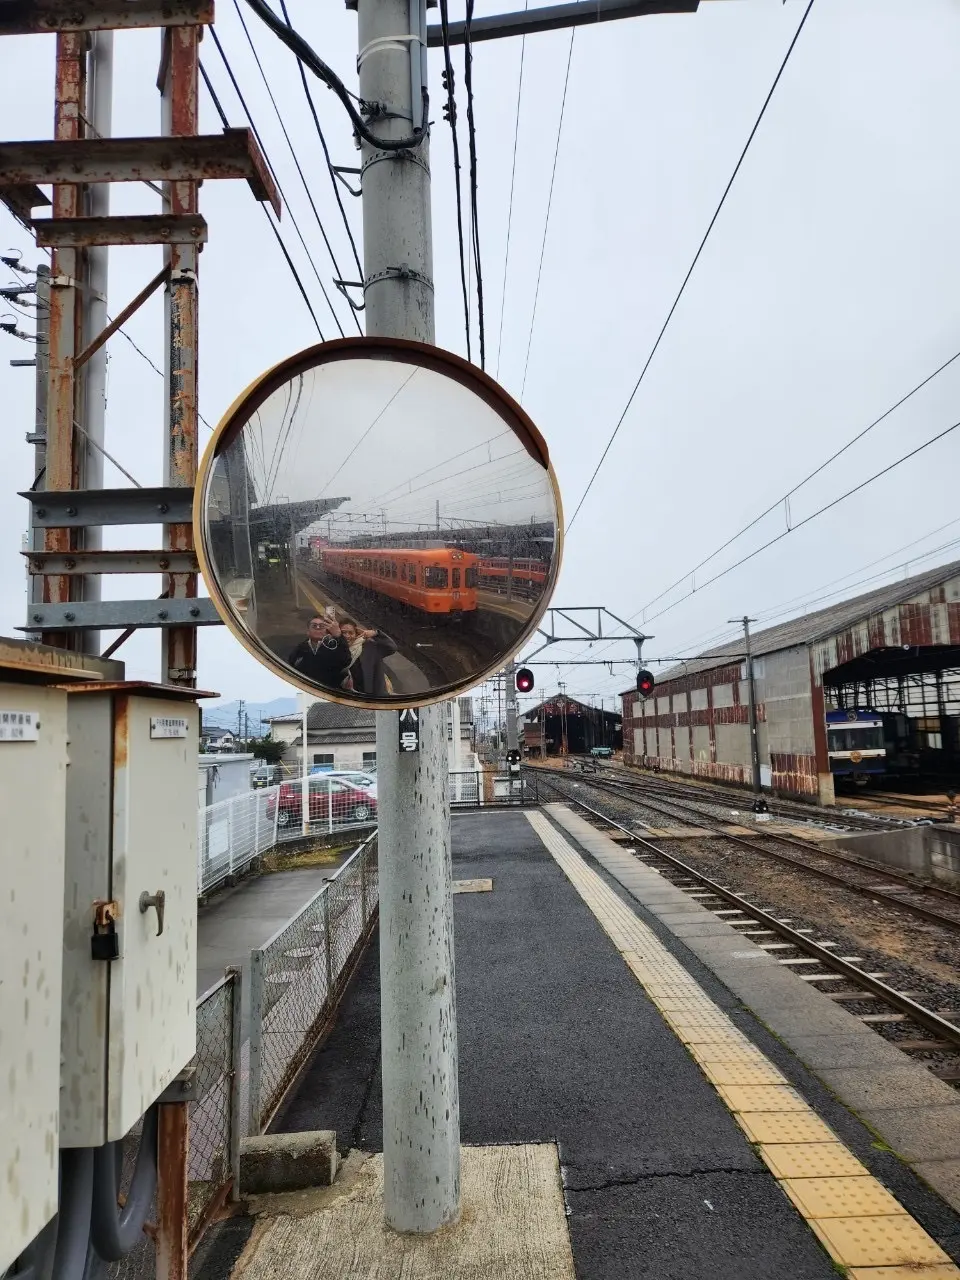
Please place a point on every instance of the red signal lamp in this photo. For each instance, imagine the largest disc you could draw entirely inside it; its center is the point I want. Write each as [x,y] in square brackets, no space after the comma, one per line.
[524,680]
[645,683]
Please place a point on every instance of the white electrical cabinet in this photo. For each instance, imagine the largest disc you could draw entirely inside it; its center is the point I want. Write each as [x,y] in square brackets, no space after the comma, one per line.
[128,1022]
[33,766]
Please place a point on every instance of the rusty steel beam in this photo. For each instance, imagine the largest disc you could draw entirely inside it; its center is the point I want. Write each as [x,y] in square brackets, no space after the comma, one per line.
[173,1216]
[137,229]
[80,562]
[29,17]
[62,459]
[190,158]
[121,319]
[21,201]
[179,87]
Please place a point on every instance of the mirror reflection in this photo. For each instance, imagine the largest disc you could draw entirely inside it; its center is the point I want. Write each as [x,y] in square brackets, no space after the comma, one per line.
[379,530]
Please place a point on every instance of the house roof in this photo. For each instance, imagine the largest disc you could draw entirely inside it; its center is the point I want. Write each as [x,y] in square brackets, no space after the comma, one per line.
[534,712]
[811,627]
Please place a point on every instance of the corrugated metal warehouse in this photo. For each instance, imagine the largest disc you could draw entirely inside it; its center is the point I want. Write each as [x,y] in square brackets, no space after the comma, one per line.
[896,649]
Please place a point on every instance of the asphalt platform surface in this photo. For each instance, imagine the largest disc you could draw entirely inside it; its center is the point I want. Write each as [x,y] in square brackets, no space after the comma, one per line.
[558,1042]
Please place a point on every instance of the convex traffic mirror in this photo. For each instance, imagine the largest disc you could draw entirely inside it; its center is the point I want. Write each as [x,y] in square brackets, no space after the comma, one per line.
[378,522]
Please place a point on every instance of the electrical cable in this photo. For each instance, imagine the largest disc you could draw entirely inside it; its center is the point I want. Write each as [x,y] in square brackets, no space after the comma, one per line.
[296,161]
[303,51]
[282,193]
[114,1233]
[696,259]
[790,492]
[450,111]
[546,223]
[472,140]
[283,248]
[73,1219]
[513,177]
[335,181]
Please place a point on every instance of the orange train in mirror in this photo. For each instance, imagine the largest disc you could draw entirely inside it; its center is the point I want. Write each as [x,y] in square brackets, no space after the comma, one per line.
[438,581]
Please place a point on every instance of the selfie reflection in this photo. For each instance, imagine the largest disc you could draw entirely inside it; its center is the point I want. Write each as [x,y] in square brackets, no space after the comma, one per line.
[380,530]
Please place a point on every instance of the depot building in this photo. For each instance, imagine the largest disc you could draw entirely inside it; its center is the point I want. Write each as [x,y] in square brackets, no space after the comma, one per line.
[894,651]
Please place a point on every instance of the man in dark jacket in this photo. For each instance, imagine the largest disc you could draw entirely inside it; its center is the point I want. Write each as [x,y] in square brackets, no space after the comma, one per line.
[324,656]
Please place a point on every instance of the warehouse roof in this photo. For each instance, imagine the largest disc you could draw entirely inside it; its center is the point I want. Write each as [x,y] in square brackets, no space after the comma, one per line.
[819,625]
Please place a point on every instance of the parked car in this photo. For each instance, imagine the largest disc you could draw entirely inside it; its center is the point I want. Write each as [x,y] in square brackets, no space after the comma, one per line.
[364,781]
[266,776]
[328,796]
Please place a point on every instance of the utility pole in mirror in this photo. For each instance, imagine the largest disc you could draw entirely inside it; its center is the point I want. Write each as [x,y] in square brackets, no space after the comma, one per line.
[421,1102]
[759,804]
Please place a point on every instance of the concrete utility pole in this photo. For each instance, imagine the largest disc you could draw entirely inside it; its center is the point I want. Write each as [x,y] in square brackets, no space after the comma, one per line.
[759,804]
[99,109]
[421,1101]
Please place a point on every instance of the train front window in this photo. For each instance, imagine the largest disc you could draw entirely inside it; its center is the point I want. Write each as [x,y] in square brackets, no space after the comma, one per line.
[456,577]
[470,576]
[855,739]
[435,576]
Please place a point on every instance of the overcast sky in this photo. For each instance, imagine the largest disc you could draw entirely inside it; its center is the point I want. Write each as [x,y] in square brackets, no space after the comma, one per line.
[826,292]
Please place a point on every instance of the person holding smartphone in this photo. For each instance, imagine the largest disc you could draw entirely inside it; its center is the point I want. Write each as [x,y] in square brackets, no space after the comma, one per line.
[324,655]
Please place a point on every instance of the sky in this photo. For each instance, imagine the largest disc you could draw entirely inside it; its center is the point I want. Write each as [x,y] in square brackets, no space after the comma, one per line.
[825,293]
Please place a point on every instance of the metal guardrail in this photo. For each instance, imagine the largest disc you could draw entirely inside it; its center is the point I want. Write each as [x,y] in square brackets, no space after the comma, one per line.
[299,975]
[231,833]
[492,789]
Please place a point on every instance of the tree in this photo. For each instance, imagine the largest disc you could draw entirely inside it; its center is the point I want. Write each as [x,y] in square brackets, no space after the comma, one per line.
[267,749]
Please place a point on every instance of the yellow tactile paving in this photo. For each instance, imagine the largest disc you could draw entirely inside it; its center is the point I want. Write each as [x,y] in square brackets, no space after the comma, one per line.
[762,1097]
[812,1160]
[939,1271]
[853,1197]
[877,1242]
[860,1224]
[727,1073]
[783,1126]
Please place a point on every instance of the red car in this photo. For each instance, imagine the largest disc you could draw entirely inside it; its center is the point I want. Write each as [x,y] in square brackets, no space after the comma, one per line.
[347,803]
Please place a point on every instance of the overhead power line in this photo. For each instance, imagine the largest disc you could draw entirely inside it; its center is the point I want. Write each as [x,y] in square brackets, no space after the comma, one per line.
[450,111]
[546,221]
[784,498]
[296,161]
[335,181]
[270,222]
[696,259]
[513,179]
[474,216]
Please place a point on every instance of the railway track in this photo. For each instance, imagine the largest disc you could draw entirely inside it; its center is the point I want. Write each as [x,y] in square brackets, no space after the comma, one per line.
[895,889]
[895,1014]
[812,814]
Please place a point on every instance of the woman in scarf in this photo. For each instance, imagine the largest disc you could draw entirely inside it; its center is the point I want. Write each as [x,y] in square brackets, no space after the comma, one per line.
[366,673]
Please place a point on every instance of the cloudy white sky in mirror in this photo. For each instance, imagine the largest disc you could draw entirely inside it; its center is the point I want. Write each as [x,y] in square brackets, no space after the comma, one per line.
[407,448]
[826,292]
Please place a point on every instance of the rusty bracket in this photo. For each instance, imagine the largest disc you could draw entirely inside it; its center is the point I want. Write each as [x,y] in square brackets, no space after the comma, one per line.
[106,912]
[182,1088]
[344,285]
[121,319]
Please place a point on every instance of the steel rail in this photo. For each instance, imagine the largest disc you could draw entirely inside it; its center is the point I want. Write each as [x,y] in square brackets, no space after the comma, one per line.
[924,1017]
[915,908]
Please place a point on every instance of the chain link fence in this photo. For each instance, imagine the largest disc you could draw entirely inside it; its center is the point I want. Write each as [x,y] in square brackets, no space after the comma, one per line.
[215,1125]
[297,978]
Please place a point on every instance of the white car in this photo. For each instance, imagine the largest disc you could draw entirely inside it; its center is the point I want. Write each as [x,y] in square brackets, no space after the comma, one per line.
[362,781]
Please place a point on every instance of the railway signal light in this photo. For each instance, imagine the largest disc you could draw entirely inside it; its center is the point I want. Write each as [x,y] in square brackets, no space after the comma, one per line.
[524,680]
[645,683]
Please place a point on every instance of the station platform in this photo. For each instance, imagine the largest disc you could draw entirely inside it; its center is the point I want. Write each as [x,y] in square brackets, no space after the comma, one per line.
[644,1093]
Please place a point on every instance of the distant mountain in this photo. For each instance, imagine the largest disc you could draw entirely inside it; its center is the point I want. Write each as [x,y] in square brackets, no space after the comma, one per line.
[223,715]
